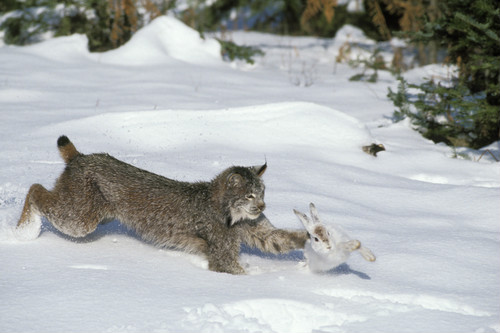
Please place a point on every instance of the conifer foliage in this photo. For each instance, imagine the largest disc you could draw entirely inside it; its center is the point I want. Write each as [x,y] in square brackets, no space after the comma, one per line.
[107,23]
[467,111]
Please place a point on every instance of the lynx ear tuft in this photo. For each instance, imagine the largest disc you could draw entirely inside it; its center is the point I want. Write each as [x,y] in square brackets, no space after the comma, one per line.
[259,170]
[235,180]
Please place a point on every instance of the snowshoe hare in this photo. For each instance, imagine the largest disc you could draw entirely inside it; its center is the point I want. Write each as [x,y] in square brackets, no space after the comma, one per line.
[329,245]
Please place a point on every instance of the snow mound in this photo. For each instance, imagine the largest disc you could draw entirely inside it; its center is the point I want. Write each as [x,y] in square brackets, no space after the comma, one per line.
[440,72]
[64,49]
[399,301]
[165,38]
[352,43]
[266,315]
[351,34]
[287,126]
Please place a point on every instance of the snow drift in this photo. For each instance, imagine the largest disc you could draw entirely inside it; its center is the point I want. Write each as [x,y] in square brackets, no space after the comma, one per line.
[163,40]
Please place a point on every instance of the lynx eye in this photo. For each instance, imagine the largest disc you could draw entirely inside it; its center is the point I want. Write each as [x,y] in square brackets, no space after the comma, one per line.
[250,196]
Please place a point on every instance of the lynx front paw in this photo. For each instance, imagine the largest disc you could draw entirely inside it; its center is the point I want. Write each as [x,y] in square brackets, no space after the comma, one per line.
[235,269]
[238,271]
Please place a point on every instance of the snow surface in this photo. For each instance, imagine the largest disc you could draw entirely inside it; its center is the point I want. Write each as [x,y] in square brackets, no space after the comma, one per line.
[165,103]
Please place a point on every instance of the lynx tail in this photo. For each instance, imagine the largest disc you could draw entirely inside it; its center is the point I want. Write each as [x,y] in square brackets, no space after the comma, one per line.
[66,149]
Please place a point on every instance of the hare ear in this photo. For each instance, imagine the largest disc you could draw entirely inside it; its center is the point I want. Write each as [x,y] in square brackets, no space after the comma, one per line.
[259,169]
[235,180]
[314,213]
[304,219]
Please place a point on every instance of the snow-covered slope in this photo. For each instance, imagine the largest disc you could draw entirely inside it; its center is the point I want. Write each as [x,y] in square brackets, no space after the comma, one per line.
[163,40]
[431,220]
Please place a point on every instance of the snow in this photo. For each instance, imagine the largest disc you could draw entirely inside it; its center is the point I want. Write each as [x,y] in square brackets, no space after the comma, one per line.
[165,38]
[177,110]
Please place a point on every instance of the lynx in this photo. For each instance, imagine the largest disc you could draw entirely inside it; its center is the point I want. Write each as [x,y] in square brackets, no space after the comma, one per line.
[211,219]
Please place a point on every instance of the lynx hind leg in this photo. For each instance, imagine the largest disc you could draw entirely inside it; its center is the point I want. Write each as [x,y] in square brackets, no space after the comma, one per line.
[31,229]
[351,245]
[65,217]
[367,254]
[30,223]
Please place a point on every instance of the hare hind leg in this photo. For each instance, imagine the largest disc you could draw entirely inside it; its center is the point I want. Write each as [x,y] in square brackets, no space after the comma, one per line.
[367,254]
[354,245]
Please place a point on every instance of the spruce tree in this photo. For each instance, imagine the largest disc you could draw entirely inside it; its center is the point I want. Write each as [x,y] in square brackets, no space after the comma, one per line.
[107,24]
[467,112]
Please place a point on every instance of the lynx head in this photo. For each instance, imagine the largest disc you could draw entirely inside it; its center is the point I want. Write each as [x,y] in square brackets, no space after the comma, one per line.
[242,193]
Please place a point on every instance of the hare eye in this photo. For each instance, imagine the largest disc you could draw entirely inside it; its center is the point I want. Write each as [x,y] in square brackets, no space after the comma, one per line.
[250,196]
[316,239]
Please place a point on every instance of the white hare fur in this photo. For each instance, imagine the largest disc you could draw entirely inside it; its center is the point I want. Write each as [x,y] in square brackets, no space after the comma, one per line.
[329,245]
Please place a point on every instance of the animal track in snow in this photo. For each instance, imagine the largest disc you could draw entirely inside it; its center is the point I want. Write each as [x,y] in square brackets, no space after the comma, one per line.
[11,195]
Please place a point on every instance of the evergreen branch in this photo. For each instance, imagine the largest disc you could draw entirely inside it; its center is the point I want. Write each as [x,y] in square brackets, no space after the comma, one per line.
[490,33]
[483,27]
[469,20]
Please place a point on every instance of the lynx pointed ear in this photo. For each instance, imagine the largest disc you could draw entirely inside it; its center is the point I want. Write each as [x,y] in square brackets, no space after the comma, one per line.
[260,169]
[235,180]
